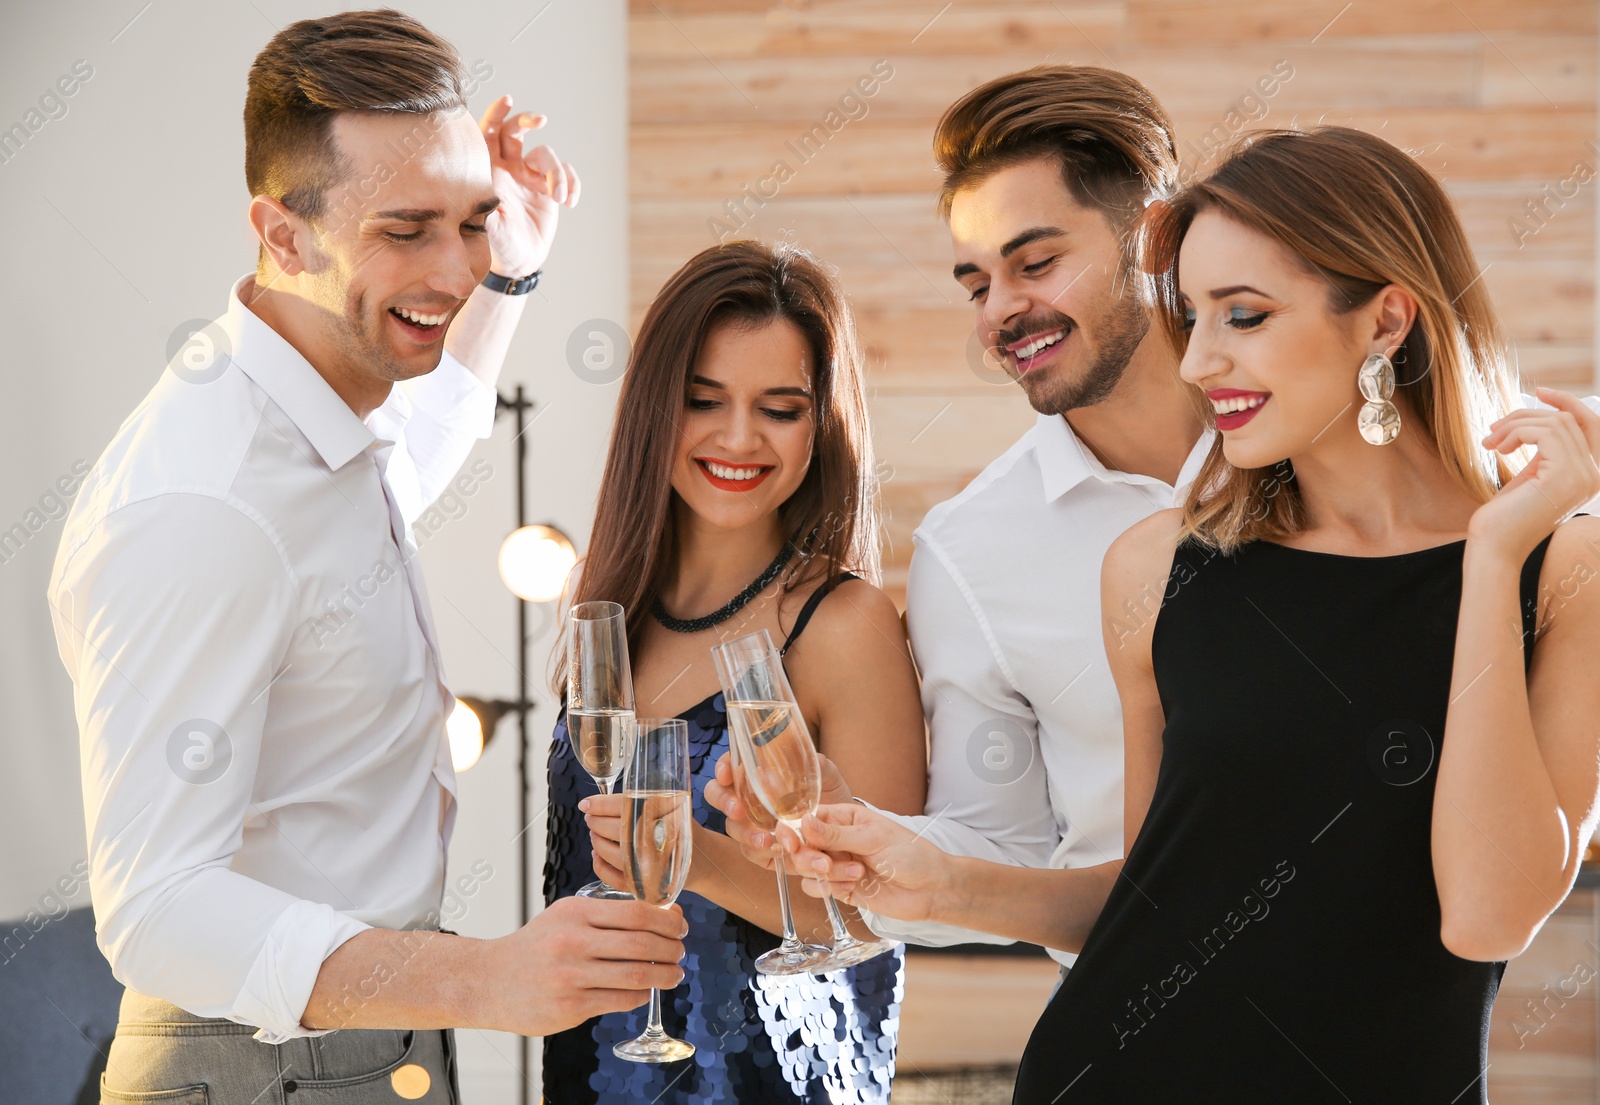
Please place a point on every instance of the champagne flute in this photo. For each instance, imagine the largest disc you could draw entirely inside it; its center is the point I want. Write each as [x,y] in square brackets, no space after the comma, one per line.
[792,956]
[599,702]
[657,843]
[780,760]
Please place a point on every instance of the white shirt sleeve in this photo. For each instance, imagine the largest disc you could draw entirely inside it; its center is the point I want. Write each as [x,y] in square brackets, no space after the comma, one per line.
[451,408]
[988,793]
[173,617]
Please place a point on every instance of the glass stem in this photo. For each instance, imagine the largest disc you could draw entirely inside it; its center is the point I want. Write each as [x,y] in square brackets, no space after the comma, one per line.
[789,938]
[841,933]
[653,1028]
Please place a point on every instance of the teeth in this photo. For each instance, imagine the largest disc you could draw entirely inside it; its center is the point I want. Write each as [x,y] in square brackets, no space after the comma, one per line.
[1238,403]
[1043,341]
[419,318]
[723,472]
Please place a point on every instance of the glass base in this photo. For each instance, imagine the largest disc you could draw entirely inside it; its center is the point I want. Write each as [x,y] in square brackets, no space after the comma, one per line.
[855,951]
[652,1048]
[800,959]
[598,889]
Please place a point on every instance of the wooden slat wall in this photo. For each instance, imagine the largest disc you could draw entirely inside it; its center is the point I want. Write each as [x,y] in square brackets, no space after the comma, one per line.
[1498,99]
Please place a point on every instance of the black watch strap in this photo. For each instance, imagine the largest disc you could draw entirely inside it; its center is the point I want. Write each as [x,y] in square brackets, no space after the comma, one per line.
[512,285]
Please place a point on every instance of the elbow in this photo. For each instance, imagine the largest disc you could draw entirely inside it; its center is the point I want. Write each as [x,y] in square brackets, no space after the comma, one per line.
[1486,939]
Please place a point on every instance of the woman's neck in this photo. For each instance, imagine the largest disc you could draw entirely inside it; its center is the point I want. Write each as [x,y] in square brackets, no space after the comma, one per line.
[1381,499]
[713,563]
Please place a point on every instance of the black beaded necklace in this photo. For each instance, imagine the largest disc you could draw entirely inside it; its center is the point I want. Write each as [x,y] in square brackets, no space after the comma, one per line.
[733,606]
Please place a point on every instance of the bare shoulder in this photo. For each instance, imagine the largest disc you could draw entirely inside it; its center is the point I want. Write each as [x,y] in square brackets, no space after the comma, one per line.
[1145,548]
[856,615]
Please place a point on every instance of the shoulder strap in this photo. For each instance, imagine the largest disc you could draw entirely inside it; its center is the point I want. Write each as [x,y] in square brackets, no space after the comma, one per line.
[810,608]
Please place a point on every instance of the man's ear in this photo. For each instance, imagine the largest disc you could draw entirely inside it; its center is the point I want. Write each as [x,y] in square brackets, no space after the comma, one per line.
[284,235]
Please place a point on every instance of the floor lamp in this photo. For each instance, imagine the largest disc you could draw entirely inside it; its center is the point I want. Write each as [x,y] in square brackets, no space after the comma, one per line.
[534,563]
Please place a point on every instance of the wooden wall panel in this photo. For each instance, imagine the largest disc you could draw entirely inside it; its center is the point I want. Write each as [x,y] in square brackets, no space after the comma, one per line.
[1498,100]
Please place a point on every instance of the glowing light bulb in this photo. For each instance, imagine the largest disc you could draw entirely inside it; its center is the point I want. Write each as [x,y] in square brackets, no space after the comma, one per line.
[465,730]
[535,562]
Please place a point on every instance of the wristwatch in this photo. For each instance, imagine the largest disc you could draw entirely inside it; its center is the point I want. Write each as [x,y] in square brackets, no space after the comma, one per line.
[512,285]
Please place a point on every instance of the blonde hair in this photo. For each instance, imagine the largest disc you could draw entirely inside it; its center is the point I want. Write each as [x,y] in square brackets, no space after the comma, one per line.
[1363,215]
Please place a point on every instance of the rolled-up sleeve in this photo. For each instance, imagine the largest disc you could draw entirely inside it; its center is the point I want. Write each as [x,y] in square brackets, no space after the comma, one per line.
[173,617]
[988,794]
[451,409]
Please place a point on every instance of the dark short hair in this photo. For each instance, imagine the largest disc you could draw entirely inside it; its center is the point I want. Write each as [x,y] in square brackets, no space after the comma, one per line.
[380,60]
[1109,134]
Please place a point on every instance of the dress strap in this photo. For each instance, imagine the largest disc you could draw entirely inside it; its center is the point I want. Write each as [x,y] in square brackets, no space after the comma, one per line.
[810,608]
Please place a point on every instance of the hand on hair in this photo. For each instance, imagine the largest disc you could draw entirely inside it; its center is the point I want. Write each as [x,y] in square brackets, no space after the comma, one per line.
[532,187]
[1561,477]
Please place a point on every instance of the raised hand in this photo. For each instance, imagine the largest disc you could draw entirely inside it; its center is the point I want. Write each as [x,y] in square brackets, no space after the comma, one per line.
[532,187]
[1561,477]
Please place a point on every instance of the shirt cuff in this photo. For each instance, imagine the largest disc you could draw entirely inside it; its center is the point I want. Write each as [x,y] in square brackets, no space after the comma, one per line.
[278,987]
[455,398]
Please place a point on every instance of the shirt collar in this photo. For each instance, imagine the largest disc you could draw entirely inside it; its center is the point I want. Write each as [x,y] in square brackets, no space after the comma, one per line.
[1065,461]
[298,389]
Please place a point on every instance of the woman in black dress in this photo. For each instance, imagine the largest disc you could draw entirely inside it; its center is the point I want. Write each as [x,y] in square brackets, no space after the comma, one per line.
[1361,735]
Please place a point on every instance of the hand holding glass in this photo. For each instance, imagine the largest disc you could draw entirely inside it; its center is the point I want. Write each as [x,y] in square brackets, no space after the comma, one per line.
[780,764]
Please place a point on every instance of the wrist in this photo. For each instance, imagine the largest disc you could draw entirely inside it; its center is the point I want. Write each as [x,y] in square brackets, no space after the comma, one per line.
[1493,556]
[464,966]
[502,280]
[951,899]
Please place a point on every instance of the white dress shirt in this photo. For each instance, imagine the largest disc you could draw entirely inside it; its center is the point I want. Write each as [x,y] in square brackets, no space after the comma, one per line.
[1003,605]
[256,678]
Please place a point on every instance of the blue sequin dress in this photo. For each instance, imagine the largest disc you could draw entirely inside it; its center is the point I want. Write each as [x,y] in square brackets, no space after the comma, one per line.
[819,1039]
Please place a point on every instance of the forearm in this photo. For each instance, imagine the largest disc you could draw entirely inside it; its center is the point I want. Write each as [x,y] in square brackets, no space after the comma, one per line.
[480,335]
[383,978]
[722,875]
[1501,845]
[1053,907]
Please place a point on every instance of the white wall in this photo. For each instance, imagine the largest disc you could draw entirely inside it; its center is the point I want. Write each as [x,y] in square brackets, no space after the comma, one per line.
[125,216]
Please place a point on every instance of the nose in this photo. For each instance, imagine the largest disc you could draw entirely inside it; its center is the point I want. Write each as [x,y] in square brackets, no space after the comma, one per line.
[1202,360]
[451,271]
[1005,302]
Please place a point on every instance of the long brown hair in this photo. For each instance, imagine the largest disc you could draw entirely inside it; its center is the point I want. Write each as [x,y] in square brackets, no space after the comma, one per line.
[1363,215]
[831,517]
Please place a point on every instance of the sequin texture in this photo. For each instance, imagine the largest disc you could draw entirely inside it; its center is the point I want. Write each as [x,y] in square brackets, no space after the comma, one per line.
[820,1039]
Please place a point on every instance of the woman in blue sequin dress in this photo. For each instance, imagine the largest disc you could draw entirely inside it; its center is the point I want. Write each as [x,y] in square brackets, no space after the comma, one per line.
[739,495]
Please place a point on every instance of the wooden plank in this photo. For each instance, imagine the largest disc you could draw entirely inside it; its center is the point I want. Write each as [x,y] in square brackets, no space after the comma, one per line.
[920,88]
[886,249]
[882,30]
[904,502]
[934,437]
[1505,144]
[1537,70]
[1544,301]
[1500,223]
[721,161]
[1202,22]
[933,349]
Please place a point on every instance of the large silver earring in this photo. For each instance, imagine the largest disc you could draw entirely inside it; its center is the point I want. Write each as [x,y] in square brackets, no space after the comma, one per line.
[1379,420]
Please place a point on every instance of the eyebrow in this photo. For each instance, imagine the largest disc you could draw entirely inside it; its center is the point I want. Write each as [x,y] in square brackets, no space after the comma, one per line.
[428,214]
[1235,289]
[706,381]
[1027,237]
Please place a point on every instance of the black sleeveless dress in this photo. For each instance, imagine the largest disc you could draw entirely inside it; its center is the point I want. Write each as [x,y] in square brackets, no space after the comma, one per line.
[1275,934]
[817,1039]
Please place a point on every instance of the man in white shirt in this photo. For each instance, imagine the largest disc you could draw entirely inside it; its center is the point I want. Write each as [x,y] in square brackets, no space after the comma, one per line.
[267,784]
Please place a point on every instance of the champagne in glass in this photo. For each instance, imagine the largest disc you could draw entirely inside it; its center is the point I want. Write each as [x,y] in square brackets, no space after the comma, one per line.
[792,956]
[599,702]
[780,758]
[657,843]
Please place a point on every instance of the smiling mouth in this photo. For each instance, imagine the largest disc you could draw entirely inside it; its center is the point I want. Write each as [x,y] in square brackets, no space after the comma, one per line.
[1233,411]
[1031,351]
[733,477]
[420,324]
